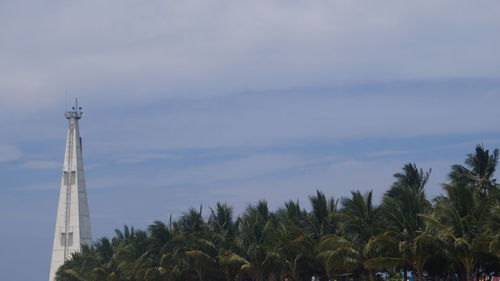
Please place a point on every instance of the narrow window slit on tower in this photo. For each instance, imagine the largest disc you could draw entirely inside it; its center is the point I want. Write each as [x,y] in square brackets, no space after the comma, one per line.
[69,237]
[67,176]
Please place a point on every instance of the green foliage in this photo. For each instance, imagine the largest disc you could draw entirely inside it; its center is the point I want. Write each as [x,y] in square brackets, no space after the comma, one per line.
[396,277]
[350,236]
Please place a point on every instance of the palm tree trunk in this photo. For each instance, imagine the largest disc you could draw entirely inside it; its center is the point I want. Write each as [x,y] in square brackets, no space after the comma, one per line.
[200,274]
[469,268]
[331,276]
[468,274]
[418,274]
[419,269]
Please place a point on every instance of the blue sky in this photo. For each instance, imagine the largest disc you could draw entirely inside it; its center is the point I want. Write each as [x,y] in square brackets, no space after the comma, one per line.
[194,102]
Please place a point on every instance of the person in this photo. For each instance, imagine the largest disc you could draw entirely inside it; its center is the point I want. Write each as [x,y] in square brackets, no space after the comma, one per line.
[313,278]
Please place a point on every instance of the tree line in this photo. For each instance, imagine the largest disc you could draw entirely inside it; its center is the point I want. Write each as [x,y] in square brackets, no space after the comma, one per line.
[455,235]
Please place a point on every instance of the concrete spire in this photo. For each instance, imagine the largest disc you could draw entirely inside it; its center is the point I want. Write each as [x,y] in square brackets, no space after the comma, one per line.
[73,220]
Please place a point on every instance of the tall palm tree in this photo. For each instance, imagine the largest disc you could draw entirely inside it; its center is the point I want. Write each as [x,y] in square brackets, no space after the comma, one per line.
[224,228]
[295,244]
[492,227]
[230,263]
[133,254]
[360,221]
[459,219]
[412,177]
[292,213]
[323,218]
[160,234]
[405,241]
[192,243]
[478,170]
[106,269]
[79,266]
[360,218]
[92,263]
[191,222]
[172,266]
[258,240]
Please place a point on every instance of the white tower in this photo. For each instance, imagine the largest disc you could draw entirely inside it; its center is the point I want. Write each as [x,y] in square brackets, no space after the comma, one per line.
[73,220]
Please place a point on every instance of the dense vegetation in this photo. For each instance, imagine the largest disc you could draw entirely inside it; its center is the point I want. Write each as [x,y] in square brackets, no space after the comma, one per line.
[457,232]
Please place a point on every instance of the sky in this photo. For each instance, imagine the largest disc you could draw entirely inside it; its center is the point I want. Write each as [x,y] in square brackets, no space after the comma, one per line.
[187,103]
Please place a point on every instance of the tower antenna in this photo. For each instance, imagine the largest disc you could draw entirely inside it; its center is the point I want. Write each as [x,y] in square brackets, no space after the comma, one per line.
[75,112]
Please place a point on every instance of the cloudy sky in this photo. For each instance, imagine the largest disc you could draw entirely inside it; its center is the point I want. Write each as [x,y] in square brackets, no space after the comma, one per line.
[194,102]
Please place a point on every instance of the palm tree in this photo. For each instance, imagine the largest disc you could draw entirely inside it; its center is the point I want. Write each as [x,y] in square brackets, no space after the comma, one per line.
[107,268]
[79,266]
[160,234]
[191,222]
[323,218]
[222,226]
[172,266]
[479,170]
[292,213]
[412,177]
[258,240]
[492,227]
[360,221]
[405,242]
[337,255]
[91,263]
[223,229]
[132,254]
[201,257]
[230,263]
[459,220]
[192,243]
[295,244]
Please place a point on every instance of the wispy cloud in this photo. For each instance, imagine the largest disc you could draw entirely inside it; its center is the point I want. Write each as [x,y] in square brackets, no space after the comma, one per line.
[36,164]
[9,152]
[117,181]
[141,157]
[41,186]
[231,170]
[486,142]
[271,119]
[385,153]
[174,49]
